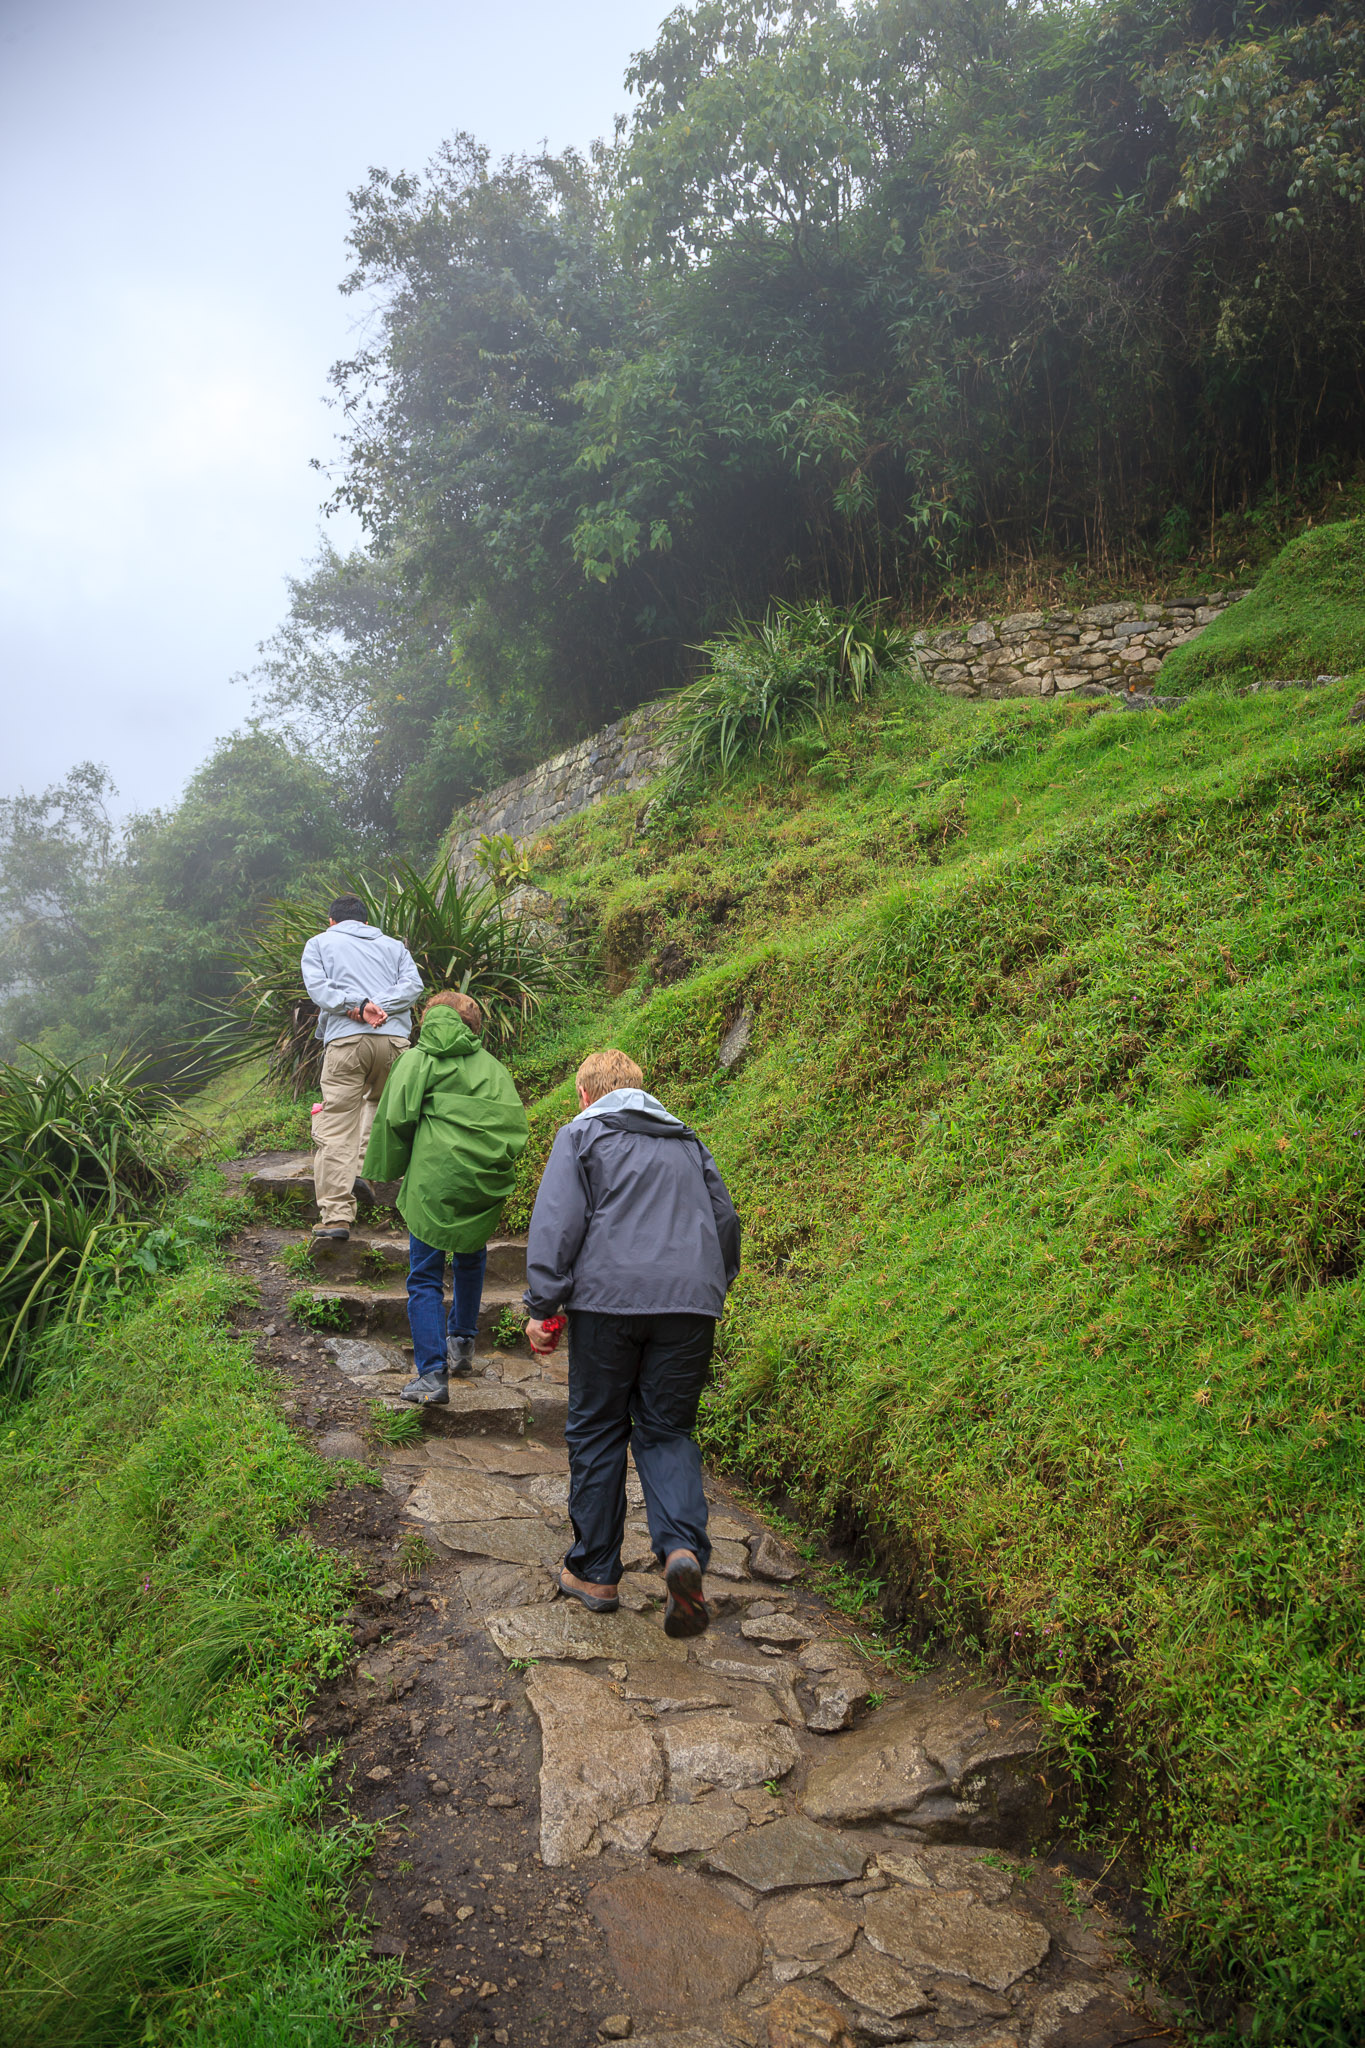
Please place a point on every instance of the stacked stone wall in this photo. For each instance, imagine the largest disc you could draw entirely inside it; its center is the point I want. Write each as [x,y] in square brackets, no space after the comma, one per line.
[1042,654]
[623,756]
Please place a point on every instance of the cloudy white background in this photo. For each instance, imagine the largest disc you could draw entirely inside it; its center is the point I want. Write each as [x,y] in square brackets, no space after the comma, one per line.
[175,180]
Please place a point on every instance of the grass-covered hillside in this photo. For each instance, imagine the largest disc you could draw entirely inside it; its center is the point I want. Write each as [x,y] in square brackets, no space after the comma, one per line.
[1050,1148]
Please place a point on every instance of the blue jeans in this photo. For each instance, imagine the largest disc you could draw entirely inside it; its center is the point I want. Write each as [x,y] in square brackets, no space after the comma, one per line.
[427,1317]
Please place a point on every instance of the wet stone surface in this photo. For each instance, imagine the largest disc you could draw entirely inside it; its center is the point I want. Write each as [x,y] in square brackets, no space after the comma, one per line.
[587,1831]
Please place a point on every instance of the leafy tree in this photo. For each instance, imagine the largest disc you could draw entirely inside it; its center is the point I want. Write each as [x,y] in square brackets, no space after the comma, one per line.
[56,851]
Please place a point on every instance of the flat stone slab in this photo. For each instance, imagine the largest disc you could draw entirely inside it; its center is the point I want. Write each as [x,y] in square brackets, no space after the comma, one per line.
[359,1359]
[342,1443]
[783,1630]
[489,1588]
[837,1698]
[529,1543]
[721,1750]
[876,1983]
[804,2015]
[676,1943]
[597,1760]
[809,1927]
[518,1461]
[449,1495]
[788,1852]
[550,1491]
[729,1560]
[701,1825]
[665,1685]
[487,1401]
[964,1767]
[955,1933]
[567,1630]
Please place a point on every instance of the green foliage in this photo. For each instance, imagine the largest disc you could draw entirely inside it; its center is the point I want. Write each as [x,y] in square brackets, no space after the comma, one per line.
[866,296]
[297,1260]
[319,1311]
[499,859]
[766,683]
[459,934]
[414,1554]
[1048,1148]
[396,1425]
[170,1873]
[81,1171]
[1306,617]
[509,1329]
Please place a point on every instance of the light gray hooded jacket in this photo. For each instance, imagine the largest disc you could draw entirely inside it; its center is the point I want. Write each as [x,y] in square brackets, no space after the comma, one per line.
[631,1217]
[351,964]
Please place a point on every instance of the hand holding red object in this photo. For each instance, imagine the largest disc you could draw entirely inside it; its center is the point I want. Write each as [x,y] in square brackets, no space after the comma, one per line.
[548,1332]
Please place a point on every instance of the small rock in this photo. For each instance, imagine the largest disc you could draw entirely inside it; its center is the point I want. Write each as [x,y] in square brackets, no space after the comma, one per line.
[701,1825]
[782,1629]
[464,1912]
[1357,711]
[434,1909]
[501,1799]
[837,1699]
[272,1330]
[476,1702]
[720,1749]
[379,1775]
[769,1560]
[792,1851]
[728,1560]
[342,1443]
[881,1986]
[826,1656]
[736,1041]
[800,2017]
[438,1788]
[955,1933]
[618,2026]
[809,1926]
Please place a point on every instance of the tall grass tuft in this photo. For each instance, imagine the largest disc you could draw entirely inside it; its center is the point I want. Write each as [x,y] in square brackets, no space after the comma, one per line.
[773,677]
[81,1169]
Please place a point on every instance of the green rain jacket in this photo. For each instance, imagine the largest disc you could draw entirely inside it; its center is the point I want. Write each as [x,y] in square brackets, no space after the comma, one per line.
[451,1125]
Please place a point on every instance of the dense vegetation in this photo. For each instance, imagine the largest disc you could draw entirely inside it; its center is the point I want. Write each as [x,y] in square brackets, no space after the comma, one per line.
[1049,1147]
[877,301]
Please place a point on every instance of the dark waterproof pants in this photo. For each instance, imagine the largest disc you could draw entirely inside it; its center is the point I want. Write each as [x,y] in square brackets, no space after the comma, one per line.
[635,1380]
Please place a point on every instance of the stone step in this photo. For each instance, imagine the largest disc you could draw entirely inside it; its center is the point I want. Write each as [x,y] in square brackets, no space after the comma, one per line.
[287,1181]
[366,1256]
[383,1311]
[380,1371]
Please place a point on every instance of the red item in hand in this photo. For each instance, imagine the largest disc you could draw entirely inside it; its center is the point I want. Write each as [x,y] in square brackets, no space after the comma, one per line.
[551,1328]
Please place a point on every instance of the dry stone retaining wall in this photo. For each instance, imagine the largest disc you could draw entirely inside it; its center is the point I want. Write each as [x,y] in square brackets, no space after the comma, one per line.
[1041,654]
[1117,646]
[622,756]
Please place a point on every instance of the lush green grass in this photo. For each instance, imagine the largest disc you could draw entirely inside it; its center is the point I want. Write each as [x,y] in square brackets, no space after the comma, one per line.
[1306,617]
[165,1870]
[1049,1149]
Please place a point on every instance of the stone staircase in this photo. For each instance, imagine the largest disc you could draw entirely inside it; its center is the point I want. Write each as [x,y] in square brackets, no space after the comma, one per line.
[797,1847]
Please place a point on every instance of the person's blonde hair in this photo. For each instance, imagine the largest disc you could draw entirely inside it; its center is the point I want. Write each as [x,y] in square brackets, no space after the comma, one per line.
[454,999]
[603,1071]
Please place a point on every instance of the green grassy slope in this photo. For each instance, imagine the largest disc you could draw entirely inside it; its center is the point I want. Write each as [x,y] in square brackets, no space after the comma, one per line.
[165,1874]
[1306,617]
[1049,1147]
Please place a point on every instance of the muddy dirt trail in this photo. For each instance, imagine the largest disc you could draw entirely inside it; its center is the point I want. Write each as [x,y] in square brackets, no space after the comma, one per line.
[758,1839]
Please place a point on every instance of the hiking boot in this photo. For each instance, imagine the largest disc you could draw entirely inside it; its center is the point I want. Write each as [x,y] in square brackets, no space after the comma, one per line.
[429,1390]
[331,1233]
[460,1356]
[363,1190]
[685,1613]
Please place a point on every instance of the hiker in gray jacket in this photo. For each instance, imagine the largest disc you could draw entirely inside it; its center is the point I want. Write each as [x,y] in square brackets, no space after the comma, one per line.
[364,984]
[634,1235]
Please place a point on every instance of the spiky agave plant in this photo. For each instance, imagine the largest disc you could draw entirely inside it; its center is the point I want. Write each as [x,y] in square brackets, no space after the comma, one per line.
[770,677]
[80,1167]
[460,934]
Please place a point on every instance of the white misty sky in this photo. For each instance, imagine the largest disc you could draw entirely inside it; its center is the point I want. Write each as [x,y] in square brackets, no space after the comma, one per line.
[176,180]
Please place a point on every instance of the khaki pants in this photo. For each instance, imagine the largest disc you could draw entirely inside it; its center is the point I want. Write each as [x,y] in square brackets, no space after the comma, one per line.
[354,1071]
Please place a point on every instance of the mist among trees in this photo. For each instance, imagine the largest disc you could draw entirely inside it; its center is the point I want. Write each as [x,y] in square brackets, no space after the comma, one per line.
[859,301]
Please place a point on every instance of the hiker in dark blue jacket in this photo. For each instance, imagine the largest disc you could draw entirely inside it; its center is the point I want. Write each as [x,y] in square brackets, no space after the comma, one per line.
[635,1238]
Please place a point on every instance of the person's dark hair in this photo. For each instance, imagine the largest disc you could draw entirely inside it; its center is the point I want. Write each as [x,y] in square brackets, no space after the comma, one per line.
[349,906]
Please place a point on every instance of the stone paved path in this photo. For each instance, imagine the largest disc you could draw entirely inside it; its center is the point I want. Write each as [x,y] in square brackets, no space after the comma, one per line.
[758,1839]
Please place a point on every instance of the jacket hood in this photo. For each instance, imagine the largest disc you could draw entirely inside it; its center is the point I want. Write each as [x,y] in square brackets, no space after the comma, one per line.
[354,929]
[630,1098]
[445,1034]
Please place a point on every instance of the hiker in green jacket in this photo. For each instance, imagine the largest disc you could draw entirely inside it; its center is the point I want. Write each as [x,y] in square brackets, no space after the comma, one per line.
[451,1124]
